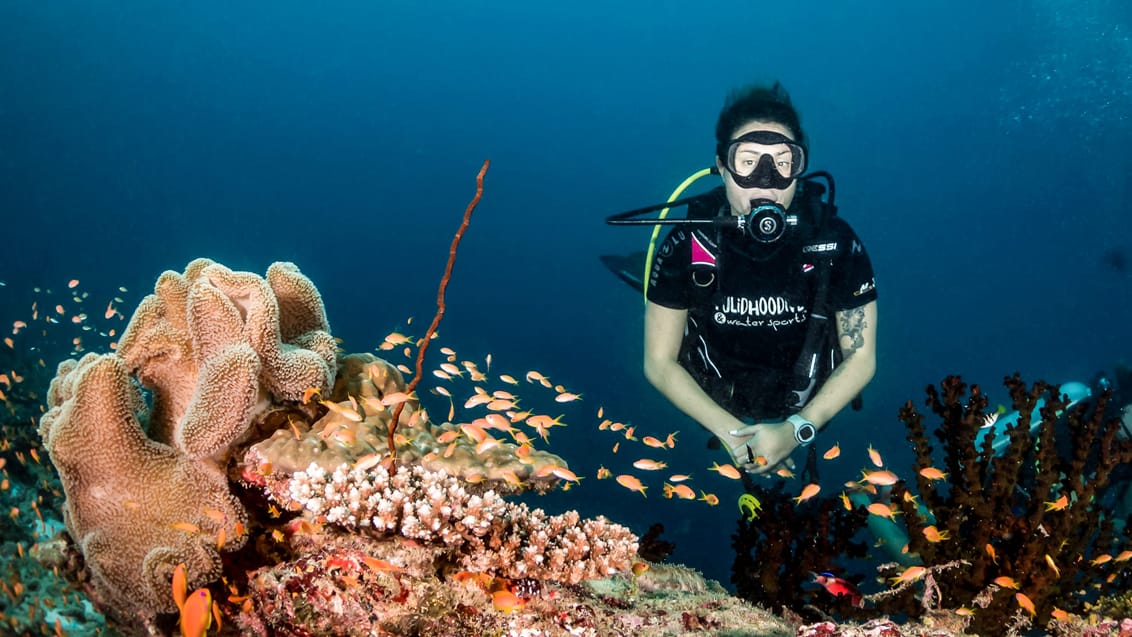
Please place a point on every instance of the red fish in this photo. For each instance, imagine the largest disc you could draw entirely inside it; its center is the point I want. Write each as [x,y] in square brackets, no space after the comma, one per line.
[840,587]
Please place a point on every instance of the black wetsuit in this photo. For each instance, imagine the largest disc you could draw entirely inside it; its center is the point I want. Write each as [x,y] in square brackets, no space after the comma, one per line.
[748,317]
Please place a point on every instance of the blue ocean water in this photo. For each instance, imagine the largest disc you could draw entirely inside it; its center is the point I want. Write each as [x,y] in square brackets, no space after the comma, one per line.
[980,153]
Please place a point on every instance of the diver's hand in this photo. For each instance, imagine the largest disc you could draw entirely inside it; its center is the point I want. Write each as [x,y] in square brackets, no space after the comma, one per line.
[740,454]
[770,444]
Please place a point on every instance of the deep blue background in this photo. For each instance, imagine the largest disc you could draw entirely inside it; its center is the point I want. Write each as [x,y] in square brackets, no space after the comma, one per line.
[980,153]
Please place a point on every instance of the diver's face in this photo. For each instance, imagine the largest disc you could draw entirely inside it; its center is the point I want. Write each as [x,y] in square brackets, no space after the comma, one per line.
[740,198]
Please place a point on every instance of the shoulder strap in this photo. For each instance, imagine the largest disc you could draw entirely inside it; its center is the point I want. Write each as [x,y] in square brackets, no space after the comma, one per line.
[810,368]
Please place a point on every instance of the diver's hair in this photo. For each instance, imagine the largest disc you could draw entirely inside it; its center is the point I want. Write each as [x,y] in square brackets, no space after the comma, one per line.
[756,103]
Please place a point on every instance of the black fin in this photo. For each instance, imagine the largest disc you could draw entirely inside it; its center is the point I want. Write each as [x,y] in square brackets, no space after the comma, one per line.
[629,268]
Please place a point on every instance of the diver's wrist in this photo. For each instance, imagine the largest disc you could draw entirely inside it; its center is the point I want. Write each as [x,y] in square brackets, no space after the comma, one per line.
[804,430]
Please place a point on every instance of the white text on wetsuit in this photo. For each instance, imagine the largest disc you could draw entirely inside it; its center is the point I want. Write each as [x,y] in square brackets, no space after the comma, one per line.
[765,311]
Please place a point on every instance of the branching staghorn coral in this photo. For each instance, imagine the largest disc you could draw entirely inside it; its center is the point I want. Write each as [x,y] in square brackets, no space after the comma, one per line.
[483,532]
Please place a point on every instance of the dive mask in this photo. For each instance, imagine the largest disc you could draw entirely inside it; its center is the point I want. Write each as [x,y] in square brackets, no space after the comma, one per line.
[764,159]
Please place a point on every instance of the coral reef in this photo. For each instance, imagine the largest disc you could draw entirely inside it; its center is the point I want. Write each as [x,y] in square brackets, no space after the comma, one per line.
[354,584]
[1028,523]
[777,551]
[233,418]
[233,362]
[1001,536]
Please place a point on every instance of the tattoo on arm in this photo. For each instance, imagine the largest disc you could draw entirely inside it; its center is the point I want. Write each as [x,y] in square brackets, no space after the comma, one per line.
[852,326]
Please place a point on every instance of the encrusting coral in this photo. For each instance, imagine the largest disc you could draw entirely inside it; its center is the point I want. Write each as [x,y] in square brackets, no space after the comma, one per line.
[352,433]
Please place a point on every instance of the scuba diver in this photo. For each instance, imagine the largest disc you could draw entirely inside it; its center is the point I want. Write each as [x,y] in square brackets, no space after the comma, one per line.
[760,321]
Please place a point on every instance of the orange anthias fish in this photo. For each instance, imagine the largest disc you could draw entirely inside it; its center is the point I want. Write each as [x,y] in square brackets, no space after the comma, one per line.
[349,413]
[196,614]
[1101,559]
[874,456]
[478,399]
[534,376]
[682,491]
[931,473]
[309,393]
[832,452]
[649,465]
[879,478]
[1053,565]
[563,473]
[540,421]
[1007,582]
[935,535]
[1025,603]
[711,498]
[910,574]
[1058,504]
[727,470]
[380,565]
[396,398]
[186,527]
[631,483]
[809,491]
[990,552]
[881,509]
[396,338]
[180,585]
